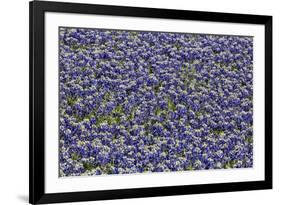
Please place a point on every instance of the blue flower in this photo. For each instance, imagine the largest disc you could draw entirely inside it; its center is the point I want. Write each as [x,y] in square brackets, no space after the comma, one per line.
[137,101]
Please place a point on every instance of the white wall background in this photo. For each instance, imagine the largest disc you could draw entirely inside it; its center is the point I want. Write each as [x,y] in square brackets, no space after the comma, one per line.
[14,100]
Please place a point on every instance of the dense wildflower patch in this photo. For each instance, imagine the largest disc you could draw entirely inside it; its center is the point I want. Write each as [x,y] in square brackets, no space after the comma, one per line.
[138,101]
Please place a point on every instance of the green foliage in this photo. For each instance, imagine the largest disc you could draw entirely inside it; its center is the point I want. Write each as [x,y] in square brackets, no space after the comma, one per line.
[132,114]
[157,88]
[112,120]
[234,68]
[108,168]
[177,45]
[75,156]
[249,140]
[118,110]
[76,47]
[109,119]
[181,154]
[78,118]
[184,68]
[192,72]
[133,33]
[71,100]
[171,105]
[190,167]
[115,48]
[198,114]
[150,69]
[106,97]
[218,132]
[157,111]
[98,65]
[84,68]
[229,164]
[121,63]
[88,166]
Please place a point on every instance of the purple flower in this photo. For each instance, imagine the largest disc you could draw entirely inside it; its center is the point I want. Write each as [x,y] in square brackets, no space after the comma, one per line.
[138,101]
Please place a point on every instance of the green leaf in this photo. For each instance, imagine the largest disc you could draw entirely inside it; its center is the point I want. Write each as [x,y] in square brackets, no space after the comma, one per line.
[118,109]
[234,68]
[132,114]
[229,164]
[185,68]
[150,69]
[106,97]
[171,105]
[156,89]
[88,166]
[84,68]
[218,132]
[71,100]
[74,156]
[249,140]
[157,111]
[198,114]
[189,167]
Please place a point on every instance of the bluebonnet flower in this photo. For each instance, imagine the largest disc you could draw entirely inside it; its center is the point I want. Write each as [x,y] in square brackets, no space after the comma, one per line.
[137,101]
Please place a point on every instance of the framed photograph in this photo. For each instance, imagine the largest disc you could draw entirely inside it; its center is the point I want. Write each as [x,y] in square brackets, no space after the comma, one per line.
[140,102]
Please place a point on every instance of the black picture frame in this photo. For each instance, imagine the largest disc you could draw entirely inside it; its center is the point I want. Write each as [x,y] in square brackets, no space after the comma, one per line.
[37,11]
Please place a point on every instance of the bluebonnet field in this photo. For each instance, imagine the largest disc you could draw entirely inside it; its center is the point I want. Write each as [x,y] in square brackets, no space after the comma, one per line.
[135,102]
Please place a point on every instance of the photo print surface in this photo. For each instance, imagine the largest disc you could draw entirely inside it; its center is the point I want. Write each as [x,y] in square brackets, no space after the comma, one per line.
[143,102]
